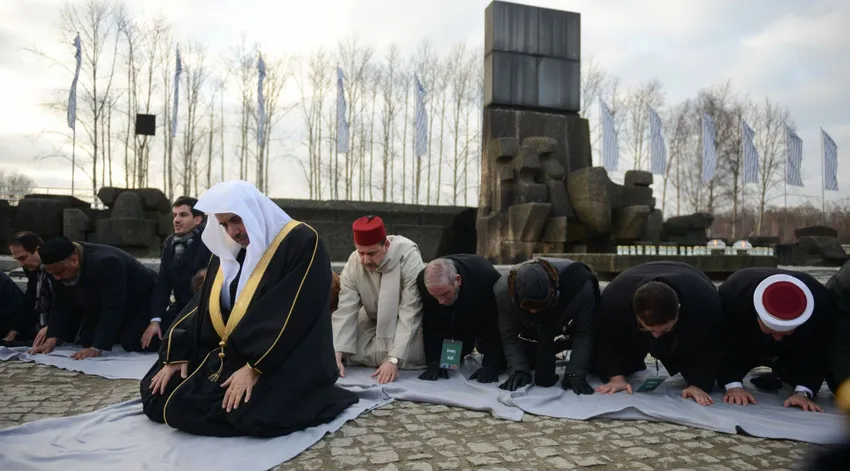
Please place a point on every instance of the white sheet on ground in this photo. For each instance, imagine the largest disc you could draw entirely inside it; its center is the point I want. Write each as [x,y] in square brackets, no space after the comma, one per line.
[115,364]
[768,419]
[457,391]
[122,437]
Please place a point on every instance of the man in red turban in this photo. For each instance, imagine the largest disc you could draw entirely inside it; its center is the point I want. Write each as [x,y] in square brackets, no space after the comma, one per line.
[379,316]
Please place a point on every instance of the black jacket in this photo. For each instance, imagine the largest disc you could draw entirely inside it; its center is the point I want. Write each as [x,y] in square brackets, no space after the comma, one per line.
[839,343]
[802,354]
[112,293]
[691,348]
[578,300]
[177,277]
[11,300]
[472,318]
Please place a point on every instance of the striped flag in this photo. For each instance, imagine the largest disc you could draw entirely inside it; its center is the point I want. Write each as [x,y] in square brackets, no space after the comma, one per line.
[178,71]
[261,102]
[610,145]
[341,112]
[420,121]
[709,151]
[830,162]
[658,148]
[751,155]
[793,158]
[72,96]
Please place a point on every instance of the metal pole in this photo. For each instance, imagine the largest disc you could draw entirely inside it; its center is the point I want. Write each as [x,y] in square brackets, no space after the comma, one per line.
[785,230]
[822,181]
[73,157]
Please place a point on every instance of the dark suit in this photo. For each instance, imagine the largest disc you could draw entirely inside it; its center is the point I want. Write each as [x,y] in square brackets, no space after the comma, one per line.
[472,318]
[176,276]
[29,319]
[110,302]
[11,300]
[839,345]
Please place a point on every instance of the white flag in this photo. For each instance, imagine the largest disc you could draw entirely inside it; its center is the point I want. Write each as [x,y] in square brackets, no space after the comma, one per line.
[177,73]
[341,112]
[751,155]
[658,148]
[261,102]
[420,121]
[709,149]
[72,96]
[793,158]
[610,145]
[830,162]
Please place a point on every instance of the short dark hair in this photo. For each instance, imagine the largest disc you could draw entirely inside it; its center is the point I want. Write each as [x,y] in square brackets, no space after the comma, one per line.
[190,202]
[30,241]
[655,303]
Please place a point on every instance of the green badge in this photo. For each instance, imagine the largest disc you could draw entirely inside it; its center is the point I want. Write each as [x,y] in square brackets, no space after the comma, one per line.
[651,384]
[450,358]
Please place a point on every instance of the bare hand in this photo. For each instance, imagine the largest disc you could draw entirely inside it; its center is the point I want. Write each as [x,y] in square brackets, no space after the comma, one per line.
[163,376]
[614,385]
[386,373]
[698,395]
[153,329]
[803,402]
[40,337]
[89,352]
[238,384]
[339,365]
[738,396]
[12,335]
[46,346]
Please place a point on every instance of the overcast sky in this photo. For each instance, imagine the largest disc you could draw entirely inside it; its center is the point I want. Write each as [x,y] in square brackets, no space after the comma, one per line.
[795,52]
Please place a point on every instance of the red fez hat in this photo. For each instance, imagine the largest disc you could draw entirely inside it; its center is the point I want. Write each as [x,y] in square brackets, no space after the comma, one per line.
[783,302]
[369,230]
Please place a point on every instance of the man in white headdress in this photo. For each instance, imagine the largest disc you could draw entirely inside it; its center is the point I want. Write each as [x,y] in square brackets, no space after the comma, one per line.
[379,318]
[256,356]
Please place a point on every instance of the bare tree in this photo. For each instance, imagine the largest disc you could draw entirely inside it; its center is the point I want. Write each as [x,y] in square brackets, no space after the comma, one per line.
[681,131]
[314,83]
[594,83]
[14,185]
[277,73]
[389,112]
[195,75]
[355,59]
[637,102]
[461,75]
[154,39]
[427,64]
[770,121]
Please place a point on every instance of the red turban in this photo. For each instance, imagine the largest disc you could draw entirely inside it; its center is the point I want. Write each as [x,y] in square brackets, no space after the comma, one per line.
[369,230]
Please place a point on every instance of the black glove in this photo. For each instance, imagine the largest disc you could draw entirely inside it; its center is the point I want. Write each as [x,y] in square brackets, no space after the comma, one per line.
[486,374]
[577,383]
[434,372]
[545,380]
[516,381]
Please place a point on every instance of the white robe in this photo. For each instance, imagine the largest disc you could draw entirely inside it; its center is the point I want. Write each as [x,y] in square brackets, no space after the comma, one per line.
[355,320]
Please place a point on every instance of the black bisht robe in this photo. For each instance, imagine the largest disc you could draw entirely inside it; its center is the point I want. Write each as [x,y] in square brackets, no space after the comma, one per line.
[839,342]
[800,358]
[472,318]
[284,333]
[692,348]
[110,303]
[573,314]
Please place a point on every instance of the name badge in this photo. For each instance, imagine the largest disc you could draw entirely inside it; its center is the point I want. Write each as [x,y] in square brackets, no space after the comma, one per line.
[651,384]
[451,353]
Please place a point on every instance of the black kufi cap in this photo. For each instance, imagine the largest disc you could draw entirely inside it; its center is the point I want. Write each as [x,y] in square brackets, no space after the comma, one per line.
[533,283]
[56,250]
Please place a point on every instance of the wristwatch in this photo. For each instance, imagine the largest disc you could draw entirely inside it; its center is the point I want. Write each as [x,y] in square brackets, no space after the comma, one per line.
[393,360]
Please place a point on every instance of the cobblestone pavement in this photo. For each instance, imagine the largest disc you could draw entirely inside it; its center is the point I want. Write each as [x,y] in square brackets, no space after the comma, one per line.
[421,437]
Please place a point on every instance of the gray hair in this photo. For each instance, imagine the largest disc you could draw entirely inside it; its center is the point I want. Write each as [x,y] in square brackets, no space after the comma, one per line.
[440,272]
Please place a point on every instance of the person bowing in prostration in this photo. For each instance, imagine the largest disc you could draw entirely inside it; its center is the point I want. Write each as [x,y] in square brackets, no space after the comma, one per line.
[780,319]
[256,356]
[379,318]
[670,310]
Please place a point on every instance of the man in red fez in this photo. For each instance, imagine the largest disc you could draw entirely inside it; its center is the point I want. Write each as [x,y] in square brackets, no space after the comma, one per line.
[379,316]
[776,318]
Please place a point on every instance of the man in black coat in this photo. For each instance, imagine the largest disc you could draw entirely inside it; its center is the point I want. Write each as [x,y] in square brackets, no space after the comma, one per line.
[30,323]
[459,305]
[667,309]
[101,293]
[538,301]
[11,299]
[777,318]
[838,368]
[183,255]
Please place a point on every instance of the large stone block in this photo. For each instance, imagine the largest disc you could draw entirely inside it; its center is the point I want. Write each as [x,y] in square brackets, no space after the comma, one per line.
[558,84]
[589,193]
[42,216]
[526,221]
[629,221]
[76,224]
[579,151]
[128,205]
[127,232]
[532,30]
[511,79]
[555,230]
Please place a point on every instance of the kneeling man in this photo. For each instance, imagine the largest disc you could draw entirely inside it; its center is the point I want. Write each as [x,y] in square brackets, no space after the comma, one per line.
[256,356]
[538,301]
[379,319]
[460,308]
[777,318]
[667,309]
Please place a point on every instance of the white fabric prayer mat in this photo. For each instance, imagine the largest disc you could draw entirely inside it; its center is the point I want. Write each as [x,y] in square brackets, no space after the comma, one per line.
[115,364]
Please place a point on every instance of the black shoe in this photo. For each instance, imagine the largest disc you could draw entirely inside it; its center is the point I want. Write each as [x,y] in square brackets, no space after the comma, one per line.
[767,382]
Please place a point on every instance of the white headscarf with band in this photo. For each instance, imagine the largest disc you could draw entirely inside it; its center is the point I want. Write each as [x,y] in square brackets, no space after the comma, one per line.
[263,220]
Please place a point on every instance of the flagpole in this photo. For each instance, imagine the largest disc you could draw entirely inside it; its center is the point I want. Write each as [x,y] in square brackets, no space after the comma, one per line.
[335,188]
[73,155]
[785,229]
[822,181]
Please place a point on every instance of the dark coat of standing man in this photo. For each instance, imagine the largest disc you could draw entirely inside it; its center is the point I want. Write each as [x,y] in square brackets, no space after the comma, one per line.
[102,295]
[30,324]
[538,301]
[183,255]
[459,304]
